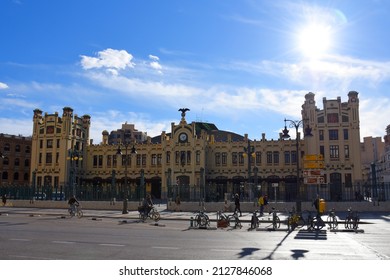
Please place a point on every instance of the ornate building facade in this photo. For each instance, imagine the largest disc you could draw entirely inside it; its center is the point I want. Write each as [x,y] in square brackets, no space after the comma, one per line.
[199,161]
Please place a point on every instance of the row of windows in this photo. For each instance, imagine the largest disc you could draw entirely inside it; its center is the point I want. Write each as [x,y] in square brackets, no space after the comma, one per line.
[333,134]
[272,157]
[181,158]
[334,151]
[4,176]
[333,118]
[18,148]
[16,162]
[184,157]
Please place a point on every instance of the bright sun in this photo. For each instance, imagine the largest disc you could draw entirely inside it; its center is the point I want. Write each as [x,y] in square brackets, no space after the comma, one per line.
[314,41]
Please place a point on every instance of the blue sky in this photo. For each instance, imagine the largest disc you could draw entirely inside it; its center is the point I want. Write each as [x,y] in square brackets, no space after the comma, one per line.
[243,65]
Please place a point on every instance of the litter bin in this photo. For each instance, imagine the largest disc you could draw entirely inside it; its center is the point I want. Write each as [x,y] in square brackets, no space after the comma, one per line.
[322,206]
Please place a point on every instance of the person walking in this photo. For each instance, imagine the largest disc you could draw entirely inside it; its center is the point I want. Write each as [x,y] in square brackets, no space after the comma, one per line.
[4,199]
[261,204]
[237,204]
[177,203]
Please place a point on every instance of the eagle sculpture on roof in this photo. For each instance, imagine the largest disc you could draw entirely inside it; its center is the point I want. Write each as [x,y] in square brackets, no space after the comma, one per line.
[183,112]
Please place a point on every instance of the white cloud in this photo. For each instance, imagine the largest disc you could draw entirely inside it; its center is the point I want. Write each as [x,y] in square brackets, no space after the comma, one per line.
[155,64]
[112,120]
[3,85]
[109,58]
[16,126]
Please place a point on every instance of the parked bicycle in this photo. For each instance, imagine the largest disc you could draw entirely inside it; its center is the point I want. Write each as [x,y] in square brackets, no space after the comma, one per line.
[352,219]
[294,220]
[234,219]
[314,222]
[201,219]
[75,210]
[255,219]
[275,219]
[152,214]
[331,220]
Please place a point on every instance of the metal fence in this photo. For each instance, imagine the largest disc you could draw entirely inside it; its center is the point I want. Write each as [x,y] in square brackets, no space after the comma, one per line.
[208,193]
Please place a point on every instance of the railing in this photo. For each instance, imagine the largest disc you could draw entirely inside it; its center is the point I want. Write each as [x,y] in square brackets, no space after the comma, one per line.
[209,193]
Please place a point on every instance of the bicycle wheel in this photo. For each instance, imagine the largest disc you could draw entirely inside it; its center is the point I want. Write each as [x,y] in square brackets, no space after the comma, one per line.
[197,221]
[203,221]
[355,223]
[254,222]
[332,222]
[142,216]
[207,220]
[276,223]
[348,223]
[155,216]
[300,222]
[291,224]
[79,213]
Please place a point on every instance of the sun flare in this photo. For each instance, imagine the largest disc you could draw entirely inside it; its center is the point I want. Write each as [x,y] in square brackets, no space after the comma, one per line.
[314,40]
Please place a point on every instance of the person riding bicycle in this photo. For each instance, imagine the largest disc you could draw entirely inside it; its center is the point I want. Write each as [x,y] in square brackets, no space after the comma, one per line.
[147,204]
[73,203]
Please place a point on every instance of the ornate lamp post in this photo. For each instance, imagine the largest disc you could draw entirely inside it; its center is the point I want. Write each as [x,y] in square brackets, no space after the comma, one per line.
[74,156]
[296,125]
[119,152]
[249,151]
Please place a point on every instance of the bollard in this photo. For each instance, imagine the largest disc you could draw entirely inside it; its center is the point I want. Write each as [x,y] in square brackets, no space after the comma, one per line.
[124,210]
[192,222]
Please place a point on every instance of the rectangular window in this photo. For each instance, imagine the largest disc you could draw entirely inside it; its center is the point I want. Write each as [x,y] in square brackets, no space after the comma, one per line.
[241,158]
[109,160]
[346,151]
[100,161]
[321,134]
[286,157]
[114,161]
[197,157]
[293,157]
[234,159]
[322,151]
[333,134]
[333,118]
[168,157]
[49,144]
[269,157]
[95,161]
[138,160]
[49,158]
[154,160]
[217,159]
[143,160]
[276,157]
[345,132]
[224,158]
[334,151]
[258,158]
[159,159]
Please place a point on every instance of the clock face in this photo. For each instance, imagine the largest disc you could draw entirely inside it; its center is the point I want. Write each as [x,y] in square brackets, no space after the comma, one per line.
[183,137]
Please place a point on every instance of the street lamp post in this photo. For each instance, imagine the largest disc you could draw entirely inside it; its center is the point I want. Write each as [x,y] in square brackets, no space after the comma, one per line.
[249,152]
[74,156]
[119,152]
[296,125]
